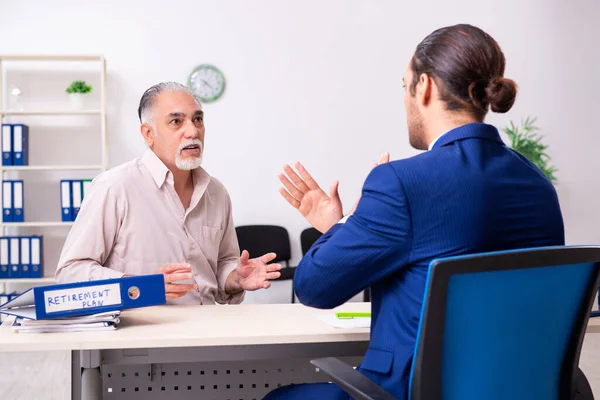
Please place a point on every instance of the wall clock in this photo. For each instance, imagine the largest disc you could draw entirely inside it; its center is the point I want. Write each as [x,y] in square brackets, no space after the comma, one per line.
[207,83]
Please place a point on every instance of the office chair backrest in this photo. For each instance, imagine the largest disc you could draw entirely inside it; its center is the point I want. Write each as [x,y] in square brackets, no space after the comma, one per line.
[505,325]
[263,239]
[307,238]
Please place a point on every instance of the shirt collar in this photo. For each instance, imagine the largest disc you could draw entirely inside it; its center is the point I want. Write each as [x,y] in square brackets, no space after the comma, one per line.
[435,140]
[157,168]
[478,130]
[160,173]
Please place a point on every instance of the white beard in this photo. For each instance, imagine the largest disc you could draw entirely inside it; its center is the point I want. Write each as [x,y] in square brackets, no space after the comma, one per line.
[189,163]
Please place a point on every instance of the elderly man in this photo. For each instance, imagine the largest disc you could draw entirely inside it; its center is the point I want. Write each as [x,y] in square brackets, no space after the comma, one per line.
[163,213]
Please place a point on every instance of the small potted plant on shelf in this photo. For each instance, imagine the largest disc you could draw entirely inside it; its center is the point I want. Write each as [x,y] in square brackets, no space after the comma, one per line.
[77,90]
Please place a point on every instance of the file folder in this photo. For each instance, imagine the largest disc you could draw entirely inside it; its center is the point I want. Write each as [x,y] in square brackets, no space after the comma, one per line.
[88,297]
[7,201]
[25,256]
[4,257]
[20,135]
[15,257]
[18,193]
[85,188]
[76,197]
[37,260]
[7,153]
[65,200]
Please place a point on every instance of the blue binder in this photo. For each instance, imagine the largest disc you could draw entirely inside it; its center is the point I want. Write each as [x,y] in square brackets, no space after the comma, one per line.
[36,246]
[20,144]
[7,201]
[88,297]
[15,257]
[4,257]
[7,153]
[18,193]
[66,200]
[25,242]
[76,192]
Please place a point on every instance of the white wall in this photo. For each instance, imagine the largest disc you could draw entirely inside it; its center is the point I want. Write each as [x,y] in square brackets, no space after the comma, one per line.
[320,81]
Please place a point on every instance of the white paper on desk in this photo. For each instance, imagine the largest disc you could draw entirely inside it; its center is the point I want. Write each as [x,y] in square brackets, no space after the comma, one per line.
[344,323]
[87,327]
[106,321]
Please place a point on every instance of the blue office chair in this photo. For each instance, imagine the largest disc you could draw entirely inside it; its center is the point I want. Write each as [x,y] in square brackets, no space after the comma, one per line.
[504,325]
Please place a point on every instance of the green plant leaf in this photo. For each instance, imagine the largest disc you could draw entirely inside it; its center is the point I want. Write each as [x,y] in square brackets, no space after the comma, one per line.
[79,87]
[526,140]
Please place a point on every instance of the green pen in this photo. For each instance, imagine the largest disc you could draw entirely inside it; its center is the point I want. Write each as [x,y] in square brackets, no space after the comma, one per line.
[350,315]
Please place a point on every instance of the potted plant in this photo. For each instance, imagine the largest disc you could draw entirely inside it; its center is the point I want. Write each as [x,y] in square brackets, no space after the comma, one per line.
[77,90]
[528,142]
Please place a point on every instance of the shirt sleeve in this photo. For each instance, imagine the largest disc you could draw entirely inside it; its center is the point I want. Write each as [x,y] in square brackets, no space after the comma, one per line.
[229,254]
[91,238]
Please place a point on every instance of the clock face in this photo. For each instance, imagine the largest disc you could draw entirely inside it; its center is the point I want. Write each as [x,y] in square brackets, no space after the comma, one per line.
[207,83]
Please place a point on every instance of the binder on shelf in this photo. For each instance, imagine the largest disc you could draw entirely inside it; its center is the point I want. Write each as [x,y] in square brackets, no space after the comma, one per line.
[20,144]
[25,256]
[18,193]
[76,188]
[7,153]
[7,201]
[15,257]
[4,257]
[66,200]
[88,297]
[37,261]
[85,188]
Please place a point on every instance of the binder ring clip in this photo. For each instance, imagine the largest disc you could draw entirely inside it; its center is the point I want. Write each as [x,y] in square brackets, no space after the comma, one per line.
[133,293]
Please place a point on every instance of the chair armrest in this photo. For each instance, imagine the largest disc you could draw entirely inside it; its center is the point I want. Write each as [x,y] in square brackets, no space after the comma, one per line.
[357,385]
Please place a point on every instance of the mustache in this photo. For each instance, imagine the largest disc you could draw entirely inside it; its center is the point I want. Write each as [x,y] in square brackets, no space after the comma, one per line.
[188,143]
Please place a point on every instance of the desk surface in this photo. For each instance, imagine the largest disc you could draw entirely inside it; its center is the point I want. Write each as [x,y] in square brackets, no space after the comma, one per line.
[593,325]
[196,326]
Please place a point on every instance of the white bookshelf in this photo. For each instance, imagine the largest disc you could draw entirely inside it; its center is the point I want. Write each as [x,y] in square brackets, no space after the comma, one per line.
[52,112]
[55,227]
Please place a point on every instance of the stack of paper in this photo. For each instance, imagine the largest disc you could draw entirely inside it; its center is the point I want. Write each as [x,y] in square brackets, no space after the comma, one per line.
[106,321]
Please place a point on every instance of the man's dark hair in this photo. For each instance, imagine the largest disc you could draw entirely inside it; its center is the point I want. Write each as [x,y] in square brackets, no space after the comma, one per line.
[467,65]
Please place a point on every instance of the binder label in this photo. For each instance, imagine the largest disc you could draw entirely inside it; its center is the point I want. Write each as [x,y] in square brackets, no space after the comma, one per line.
[82,297]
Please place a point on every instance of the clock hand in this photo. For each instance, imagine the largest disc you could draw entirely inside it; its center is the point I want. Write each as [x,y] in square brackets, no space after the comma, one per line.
[206,83]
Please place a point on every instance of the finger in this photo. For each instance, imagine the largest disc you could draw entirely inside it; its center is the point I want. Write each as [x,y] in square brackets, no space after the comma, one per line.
[180,287]
[295,203]
[244,257]
[172,296]
[268,257]
[169,268]
[290,186]
[310,182]
[266,285]
[333,190]
[175,277]
[273,275]
[273,267]
[385,157]
[300,184]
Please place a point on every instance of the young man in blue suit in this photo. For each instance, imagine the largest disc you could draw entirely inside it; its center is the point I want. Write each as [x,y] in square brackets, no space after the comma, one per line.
[468,194]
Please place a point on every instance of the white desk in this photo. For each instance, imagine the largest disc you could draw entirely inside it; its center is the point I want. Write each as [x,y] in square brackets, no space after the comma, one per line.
[220,352]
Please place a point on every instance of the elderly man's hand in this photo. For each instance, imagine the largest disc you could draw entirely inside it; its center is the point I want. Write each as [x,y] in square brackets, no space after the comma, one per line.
[177,272]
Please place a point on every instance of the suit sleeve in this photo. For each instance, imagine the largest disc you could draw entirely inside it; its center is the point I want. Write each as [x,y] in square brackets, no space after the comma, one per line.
[375,242]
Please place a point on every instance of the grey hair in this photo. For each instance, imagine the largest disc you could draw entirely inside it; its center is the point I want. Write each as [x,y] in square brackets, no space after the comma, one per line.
[147,100]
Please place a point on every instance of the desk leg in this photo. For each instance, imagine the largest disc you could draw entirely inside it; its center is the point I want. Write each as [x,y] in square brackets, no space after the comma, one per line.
[86,375]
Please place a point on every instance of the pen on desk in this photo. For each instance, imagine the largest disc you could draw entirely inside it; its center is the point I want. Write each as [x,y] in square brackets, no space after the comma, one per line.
[353,315]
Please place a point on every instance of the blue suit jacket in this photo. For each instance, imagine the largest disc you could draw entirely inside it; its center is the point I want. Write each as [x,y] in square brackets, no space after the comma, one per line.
[469,193]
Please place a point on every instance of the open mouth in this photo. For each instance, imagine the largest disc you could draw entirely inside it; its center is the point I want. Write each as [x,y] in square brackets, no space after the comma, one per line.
[191,148]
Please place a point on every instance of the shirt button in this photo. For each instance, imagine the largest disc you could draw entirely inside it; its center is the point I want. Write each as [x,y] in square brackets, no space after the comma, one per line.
[193,246]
